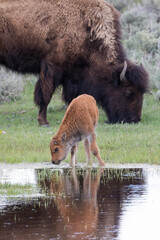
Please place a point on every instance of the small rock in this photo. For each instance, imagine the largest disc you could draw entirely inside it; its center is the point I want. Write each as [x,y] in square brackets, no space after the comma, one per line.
[49,132]
[22,112]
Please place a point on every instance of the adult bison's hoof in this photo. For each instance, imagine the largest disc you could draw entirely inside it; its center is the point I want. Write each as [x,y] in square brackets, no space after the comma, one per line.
[42,122]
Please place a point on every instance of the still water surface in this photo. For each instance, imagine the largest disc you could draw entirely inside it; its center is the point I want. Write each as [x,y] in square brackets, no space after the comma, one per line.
[81,203]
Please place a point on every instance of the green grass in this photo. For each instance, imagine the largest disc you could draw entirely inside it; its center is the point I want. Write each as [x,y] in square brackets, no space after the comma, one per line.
[25,141]
[8,189]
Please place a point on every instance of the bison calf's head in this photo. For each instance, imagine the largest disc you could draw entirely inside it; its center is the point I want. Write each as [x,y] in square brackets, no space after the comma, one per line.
[125,99]
[58,149]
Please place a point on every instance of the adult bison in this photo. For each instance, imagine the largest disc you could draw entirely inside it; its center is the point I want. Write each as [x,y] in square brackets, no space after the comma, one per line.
[76,44]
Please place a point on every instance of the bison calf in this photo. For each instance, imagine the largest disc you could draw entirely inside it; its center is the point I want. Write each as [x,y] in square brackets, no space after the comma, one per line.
[78,124]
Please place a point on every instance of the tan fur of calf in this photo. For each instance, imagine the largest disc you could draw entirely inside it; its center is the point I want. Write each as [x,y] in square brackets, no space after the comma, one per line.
[78,124]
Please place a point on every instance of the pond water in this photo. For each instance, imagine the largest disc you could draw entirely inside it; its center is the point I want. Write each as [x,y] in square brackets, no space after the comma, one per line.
[80,203]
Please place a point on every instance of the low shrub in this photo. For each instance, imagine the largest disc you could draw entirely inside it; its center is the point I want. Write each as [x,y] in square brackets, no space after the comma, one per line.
[140,20]
[11,85]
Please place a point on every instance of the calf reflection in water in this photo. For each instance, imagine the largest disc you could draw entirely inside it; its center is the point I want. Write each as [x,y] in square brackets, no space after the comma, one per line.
[78,207]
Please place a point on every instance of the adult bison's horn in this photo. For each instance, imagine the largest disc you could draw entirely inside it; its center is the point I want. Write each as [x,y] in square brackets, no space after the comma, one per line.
[123,73]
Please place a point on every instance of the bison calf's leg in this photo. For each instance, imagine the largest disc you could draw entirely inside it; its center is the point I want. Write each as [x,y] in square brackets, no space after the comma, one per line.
[87,151]
[74,155]
[95,150]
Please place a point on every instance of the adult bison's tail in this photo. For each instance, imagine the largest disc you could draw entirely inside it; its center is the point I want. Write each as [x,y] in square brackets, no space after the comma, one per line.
[49,79]
[50,76]
[38,95]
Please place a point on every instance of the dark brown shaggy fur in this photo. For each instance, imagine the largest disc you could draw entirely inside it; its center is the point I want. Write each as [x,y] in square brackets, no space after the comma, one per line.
[76,44]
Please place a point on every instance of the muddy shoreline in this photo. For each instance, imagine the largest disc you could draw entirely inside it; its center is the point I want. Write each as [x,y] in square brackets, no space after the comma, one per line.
[80,165]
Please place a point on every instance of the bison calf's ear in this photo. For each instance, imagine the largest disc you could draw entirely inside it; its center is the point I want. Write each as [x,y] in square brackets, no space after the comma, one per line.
[63,137]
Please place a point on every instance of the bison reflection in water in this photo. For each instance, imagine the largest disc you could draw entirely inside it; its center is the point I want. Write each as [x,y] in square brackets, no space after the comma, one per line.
[75,44]
[78,204]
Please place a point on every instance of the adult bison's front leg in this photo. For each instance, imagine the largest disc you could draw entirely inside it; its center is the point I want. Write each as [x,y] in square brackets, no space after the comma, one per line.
[49,79]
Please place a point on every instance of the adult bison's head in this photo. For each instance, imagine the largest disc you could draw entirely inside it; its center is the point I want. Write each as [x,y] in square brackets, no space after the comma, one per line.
[124,100]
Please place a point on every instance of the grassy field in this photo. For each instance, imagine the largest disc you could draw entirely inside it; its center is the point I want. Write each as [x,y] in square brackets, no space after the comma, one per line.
[25,141]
